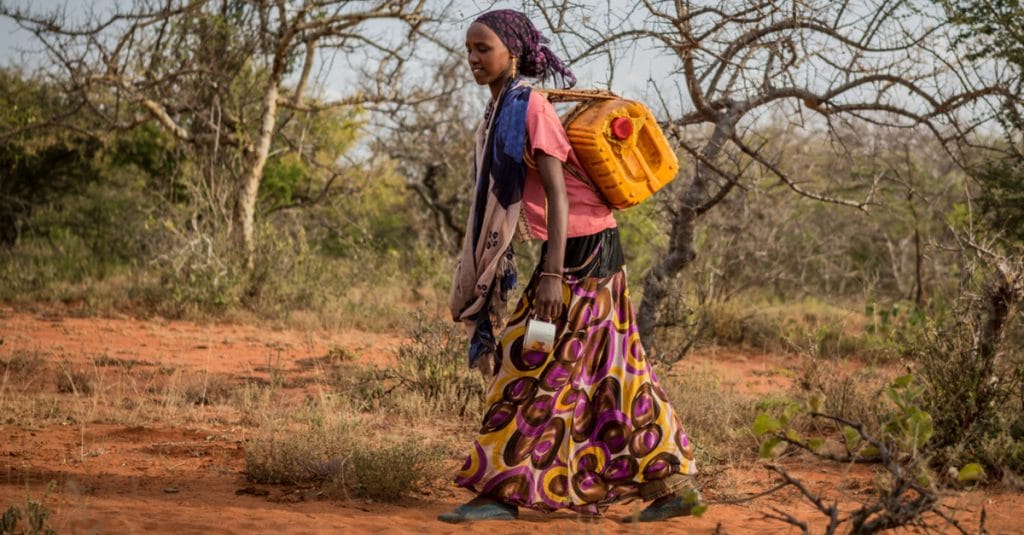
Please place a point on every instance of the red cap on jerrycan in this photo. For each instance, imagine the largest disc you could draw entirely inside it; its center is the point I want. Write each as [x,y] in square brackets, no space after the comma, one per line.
[621,128]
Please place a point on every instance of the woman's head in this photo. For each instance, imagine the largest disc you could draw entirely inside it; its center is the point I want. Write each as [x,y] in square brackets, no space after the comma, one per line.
[503,38]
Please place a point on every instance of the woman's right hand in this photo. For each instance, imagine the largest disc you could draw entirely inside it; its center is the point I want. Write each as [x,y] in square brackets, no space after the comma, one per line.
[548,303]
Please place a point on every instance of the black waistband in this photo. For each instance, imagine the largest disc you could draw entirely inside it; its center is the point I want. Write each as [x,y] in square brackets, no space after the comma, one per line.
[595,255]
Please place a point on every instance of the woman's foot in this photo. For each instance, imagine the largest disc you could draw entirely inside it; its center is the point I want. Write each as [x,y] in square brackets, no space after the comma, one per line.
[667,507]
[480,508]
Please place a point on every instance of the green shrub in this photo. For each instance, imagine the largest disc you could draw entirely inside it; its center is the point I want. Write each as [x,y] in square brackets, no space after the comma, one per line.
[57,268]
[737,324]
[974,398]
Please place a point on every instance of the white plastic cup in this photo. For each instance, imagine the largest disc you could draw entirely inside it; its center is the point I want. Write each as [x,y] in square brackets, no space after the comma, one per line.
[540,336]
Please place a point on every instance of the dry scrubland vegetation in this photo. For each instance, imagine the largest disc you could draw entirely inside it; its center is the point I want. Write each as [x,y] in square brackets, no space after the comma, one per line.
[899,324]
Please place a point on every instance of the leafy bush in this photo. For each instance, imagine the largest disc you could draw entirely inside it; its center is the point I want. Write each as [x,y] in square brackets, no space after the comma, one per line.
[738,324]
[973,397]
[908,491]
[195,273]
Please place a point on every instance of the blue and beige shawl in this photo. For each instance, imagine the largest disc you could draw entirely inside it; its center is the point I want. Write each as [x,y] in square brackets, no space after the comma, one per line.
[486,271]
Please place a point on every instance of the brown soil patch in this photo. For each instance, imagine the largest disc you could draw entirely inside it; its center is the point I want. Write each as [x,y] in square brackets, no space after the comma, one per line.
[184,474]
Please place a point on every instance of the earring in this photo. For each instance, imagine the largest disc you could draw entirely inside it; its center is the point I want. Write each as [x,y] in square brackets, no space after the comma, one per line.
[515,63]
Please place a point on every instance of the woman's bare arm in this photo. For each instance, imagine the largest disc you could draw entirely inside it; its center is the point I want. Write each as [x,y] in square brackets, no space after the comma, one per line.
[549,293]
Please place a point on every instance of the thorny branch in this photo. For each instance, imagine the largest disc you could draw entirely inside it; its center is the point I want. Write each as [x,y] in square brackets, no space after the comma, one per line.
[904,502]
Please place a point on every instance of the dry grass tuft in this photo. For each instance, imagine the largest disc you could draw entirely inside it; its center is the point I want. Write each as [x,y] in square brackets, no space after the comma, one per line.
[804,327]
[855,395]
[326,444]
[431,379]
[715,417]
[71,380]
[22,363]
[206,389]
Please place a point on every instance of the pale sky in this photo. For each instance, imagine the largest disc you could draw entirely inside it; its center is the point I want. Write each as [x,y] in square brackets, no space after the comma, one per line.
[631,74]
[634,71]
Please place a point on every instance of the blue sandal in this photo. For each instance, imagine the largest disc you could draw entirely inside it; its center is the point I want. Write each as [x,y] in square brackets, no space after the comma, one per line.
[676,506]
[487,511]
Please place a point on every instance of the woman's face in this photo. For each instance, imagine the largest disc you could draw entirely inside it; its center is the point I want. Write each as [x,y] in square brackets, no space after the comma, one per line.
[489,58]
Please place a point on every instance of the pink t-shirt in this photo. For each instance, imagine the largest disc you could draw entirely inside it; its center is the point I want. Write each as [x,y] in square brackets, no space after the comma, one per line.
[588,213]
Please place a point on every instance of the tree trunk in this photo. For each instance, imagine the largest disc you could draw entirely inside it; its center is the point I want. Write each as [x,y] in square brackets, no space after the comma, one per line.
[656,285]
[249,183]
[1004,292]
[681,251]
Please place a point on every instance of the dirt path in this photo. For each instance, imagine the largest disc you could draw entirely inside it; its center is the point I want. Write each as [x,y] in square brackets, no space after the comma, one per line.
[108,464]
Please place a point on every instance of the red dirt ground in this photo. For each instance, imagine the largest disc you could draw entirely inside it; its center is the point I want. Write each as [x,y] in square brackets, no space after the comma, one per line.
[185,475]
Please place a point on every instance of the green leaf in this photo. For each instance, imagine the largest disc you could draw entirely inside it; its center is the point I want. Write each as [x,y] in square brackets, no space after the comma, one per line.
[698,510]
[852,438]
[869,452]
[921,428]
[815,443]
[789,412]
[895,397]
[971,473]
[768,447]
[765,423]
[792,435]
[903,381]
[691,497]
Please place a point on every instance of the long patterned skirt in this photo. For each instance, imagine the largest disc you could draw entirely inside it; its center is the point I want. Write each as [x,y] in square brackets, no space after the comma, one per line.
[587,424]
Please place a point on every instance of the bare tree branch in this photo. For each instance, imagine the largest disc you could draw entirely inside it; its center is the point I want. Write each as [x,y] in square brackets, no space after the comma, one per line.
[855,65]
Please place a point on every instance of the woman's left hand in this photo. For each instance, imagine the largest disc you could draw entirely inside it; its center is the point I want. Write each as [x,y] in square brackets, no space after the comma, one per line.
[548,305]
[549,290]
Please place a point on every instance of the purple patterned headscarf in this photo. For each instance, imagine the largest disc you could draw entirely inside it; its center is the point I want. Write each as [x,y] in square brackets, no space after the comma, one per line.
[527,44]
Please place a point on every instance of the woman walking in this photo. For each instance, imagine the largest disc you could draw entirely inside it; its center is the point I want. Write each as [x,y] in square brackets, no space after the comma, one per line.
[586,424]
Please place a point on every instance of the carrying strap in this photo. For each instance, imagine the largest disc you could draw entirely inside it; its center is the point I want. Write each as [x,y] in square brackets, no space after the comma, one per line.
[581,176]
[567,165]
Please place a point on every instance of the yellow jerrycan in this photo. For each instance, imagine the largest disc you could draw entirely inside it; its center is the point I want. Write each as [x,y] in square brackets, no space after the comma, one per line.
[619,144]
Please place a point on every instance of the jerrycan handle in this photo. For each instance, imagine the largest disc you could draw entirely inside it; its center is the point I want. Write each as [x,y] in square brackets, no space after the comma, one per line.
[651,177]
[575,95]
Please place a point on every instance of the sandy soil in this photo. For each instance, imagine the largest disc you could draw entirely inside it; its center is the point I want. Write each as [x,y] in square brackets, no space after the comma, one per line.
[186,474]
